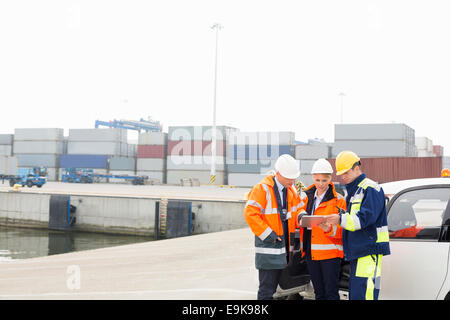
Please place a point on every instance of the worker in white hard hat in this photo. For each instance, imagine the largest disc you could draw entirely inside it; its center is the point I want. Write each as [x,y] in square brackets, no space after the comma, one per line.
[322,244]
[271,212]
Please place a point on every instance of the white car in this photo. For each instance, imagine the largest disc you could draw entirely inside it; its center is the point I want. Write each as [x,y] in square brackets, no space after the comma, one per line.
[419,229]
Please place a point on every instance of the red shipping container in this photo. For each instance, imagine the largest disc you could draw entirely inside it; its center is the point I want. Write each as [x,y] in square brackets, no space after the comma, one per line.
[384,170]
[194,148]
[438,151]
[157,152]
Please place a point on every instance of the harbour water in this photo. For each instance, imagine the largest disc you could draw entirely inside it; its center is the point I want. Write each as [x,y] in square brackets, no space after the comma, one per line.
[24,243]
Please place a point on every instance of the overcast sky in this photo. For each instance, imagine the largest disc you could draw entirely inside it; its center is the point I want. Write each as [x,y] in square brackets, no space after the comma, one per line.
[281,64]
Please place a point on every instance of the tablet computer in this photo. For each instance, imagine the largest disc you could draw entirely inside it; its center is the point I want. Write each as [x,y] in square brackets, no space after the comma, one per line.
[311,221]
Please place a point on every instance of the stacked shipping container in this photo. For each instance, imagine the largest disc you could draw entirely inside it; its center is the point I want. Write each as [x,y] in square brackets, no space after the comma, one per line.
[424,147]
[375,140]
[152,156]
[189,153]
[6,141]
[39,147]
[384,170]
[308,154]
[251,155]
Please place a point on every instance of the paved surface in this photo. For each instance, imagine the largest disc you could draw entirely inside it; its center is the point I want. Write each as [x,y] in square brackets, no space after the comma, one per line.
[212,266]
[128,190]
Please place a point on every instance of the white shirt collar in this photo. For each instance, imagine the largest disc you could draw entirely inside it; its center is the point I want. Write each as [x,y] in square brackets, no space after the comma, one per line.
[279,185]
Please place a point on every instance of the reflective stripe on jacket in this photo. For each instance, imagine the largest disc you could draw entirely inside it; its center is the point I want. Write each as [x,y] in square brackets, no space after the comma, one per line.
[365,225]
[261,214]
[324,245]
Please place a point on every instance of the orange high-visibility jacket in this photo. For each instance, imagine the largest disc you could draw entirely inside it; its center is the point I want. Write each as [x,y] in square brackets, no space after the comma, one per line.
[261,214]
[324,245]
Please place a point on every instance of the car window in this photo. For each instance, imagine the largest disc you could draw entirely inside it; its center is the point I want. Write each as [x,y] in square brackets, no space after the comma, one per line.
[419,214]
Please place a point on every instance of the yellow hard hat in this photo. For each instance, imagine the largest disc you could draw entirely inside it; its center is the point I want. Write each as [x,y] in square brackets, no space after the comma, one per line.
[445,172]
[345,161]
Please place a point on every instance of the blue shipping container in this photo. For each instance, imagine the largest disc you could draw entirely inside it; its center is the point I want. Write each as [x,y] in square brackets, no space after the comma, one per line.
[84,161]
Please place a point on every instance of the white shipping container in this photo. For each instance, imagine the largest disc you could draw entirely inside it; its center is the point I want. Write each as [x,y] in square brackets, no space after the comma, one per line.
[244,179]
[424,153]
[373,148]
[175,176]
[6,139]
[38,147]
[97,135]
[424,143]
[5,150]
[261,138]
[194,163]
[152,138]
[99,148]
[8,165]
[312,151]
[377,131]
[306,166]
[150,164]
[38,134]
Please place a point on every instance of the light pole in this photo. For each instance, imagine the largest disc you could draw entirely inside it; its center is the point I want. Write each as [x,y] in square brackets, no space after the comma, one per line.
[212,178]
[342,95]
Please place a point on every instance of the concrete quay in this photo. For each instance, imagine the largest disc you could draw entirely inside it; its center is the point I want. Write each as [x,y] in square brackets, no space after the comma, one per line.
[123,209]
[213,266]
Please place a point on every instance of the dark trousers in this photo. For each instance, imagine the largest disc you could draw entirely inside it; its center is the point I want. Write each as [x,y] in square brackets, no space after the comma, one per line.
[325,277]
[268,282]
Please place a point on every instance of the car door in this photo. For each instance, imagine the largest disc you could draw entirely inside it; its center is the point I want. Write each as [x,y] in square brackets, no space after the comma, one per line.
[418,263]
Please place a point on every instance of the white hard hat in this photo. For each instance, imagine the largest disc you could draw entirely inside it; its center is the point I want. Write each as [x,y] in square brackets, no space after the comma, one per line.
[287,166]
[321,166]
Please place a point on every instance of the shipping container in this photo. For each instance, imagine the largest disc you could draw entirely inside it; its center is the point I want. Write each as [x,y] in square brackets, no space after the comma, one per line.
[438,151]
[152,151]
[377,131]
[202,133]
[446,162]
[175,176]
[38,147]
[44,160]
[194,163]
[424,144]
[6,139]
[312,151]
[195,147]
[5,150]
[261,138]
[152,138]
[38,134]
[95,147]
[307,179]
[373,148]
[149,164]
[98,135]
[244,179]
[84,161]
[384,170]
[306,166]
[122,164]
[263,152]
[8,165]
[243,168]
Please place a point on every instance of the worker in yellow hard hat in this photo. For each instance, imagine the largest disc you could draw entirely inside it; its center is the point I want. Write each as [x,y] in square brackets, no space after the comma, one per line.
[365,234]
[445,172]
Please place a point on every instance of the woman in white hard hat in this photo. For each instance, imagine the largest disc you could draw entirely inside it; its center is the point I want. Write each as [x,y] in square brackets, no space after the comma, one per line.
[322,245]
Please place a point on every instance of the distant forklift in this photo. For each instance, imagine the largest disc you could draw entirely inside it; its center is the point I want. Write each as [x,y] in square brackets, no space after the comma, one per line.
[36,176]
